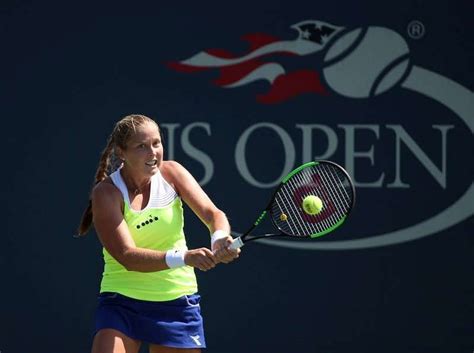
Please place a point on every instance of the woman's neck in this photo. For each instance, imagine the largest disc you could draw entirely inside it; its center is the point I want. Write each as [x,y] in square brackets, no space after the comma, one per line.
[135,185]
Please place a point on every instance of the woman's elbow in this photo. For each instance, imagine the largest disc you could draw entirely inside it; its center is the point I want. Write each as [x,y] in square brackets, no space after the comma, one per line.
[126,259]
[218,215]
[135,260]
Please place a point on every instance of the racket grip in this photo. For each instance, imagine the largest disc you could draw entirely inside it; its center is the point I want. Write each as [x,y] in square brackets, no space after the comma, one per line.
[237,243]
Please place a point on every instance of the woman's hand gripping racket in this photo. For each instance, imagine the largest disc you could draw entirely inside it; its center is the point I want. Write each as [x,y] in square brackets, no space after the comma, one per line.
[311,201]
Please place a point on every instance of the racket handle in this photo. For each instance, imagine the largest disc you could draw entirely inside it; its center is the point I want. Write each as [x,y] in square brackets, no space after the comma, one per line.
[237,243]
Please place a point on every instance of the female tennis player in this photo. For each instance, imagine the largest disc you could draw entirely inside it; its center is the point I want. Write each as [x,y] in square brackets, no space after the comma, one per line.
[148,291]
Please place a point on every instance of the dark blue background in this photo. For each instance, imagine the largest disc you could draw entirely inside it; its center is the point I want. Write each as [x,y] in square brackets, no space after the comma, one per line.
[70,70]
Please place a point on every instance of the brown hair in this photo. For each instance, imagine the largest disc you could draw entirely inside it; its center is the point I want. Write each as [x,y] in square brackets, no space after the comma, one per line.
[119,137]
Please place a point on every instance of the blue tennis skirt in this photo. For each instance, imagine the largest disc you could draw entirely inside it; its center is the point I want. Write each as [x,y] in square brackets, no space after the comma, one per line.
[176,323]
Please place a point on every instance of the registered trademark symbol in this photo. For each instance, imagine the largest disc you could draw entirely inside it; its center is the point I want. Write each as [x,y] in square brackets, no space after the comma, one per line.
[416,29]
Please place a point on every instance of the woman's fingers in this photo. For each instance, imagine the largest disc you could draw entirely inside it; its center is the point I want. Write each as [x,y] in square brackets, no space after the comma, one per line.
[201,258]
[226,255]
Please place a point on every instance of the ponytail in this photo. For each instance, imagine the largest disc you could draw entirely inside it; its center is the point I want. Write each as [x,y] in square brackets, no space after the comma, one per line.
[101,174]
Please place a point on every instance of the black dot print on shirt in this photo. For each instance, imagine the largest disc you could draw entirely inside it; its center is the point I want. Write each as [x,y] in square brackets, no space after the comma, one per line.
[148,221]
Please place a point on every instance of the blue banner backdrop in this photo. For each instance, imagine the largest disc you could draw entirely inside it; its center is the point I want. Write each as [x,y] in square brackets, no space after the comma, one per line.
[245,92]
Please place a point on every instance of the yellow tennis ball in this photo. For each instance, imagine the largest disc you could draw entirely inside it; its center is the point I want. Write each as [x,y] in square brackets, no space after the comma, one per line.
[312,205]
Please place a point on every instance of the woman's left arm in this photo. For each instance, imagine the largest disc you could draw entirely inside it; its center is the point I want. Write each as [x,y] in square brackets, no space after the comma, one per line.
[194,196]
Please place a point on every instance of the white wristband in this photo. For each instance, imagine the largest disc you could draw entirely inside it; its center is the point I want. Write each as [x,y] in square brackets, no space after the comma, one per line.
[175,258]
[218,234]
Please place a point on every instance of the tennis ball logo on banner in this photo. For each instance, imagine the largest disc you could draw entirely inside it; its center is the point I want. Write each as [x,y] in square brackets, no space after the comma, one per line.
[346,57]
[346,71]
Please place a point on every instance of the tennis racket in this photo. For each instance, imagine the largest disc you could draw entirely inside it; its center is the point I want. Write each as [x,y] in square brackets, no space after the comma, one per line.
[311,201]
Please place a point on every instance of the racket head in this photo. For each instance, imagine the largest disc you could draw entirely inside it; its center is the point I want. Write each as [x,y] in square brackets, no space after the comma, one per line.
[326,180]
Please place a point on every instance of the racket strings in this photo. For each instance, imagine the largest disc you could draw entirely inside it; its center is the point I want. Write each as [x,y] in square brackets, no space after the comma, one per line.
[297,189]
[334,189]
[329,215]
[310,188]
[293,220]
[339,182]
[323,180]
[296,222]
[317,190]
[336,182]
[282,202]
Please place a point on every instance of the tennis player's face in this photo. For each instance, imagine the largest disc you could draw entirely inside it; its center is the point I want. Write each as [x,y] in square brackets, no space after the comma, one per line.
[144,152]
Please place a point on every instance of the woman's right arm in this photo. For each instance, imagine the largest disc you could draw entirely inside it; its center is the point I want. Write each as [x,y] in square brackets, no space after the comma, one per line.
[116,238]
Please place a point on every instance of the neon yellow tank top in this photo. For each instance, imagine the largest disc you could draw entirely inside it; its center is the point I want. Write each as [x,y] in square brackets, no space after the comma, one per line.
[159,226]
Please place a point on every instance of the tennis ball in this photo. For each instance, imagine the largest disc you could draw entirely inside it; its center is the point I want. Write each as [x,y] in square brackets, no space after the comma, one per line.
[312,205]
[361,64]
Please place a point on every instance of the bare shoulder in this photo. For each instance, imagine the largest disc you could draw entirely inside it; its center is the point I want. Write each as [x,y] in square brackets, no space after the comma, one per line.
[106,191]
[178,176]
[172,171]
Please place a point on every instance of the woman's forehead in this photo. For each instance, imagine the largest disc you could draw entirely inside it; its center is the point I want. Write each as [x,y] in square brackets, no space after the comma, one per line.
[147,130]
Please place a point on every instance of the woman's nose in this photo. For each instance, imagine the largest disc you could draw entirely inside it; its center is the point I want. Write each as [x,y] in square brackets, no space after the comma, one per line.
[150,151]
[153,150]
